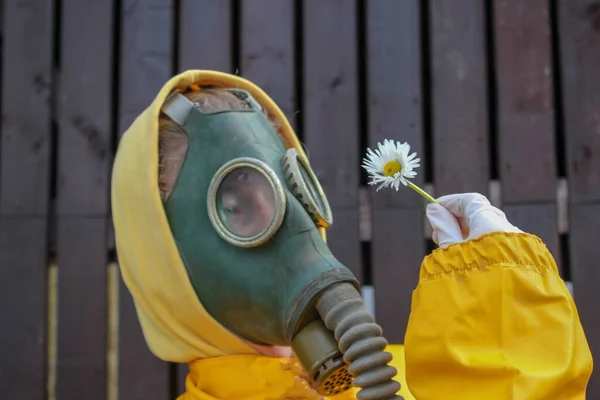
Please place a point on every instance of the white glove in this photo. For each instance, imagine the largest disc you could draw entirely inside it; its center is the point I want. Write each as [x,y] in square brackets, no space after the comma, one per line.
[465,216]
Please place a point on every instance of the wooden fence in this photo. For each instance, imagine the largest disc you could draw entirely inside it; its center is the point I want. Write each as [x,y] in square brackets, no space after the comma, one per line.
[498,97]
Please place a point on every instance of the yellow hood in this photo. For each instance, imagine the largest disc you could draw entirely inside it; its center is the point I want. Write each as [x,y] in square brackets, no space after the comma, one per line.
[176,326]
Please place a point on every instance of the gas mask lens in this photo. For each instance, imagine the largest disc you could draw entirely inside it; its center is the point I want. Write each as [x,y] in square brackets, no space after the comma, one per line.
[246,202]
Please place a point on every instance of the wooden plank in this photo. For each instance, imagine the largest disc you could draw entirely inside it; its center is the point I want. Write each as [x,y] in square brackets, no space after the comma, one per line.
[579,23]
[82,313]
[145,56]
[580,50]
[26,89]
[583,244]
[205,35]
[22,305]
[526,115]
[394,109]
[25,145]
[525,103]
[398,250]
[146,64]
[85,143]
[330,108]
[267,50]
[459,92]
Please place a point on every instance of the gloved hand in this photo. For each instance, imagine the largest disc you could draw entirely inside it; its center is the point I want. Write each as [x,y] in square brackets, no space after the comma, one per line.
[465,216]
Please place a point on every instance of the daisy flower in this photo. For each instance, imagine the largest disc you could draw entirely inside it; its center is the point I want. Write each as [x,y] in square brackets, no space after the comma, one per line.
[391,164]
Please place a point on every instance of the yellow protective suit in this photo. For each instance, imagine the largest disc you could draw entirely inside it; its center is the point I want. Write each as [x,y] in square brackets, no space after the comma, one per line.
[489,321]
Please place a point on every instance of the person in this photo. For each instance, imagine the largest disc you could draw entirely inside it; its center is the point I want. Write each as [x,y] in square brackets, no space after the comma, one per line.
[220,232]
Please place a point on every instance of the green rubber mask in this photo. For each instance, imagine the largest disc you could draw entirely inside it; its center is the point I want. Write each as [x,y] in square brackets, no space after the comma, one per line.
[244,213]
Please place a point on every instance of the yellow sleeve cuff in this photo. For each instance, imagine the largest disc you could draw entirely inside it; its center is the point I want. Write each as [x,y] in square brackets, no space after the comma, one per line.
[512,250]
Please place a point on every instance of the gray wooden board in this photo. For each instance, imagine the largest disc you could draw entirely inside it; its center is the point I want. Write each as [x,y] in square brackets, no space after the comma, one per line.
[82,312]
[25,145]
[84,157]
[525,104]
[205,35]
[330,117]
[344,241]
[146,56]
[23,262]
[396,268]
[85,139]
[580,51]
[146,65]
[459,96]
[585,253]
[525,117]
[26,97]
[267,50]
[394,109]
[579,38]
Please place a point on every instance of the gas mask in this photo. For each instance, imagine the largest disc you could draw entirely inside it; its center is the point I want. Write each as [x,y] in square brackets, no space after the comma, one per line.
[244,213]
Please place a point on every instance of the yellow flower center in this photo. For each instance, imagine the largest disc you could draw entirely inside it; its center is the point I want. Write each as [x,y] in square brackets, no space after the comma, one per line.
[391,168]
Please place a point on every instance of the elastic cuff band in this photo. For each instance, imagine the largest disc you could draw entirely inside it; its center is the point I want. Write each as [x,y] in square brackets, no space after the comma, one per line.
[518,250]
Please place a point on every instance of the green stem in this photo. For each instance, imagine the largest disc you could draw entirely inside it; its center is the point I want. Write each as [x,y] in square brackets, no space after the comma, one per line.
[421,192]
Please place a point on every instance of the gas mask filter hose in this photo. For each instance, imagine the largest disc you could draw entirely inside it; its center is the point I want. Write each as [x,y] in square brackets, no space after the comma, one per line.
[359,339]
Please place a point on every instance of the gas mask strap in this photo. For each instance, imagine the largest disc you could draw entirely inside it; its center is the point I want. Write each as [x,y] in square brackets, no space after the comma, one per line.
[178,108]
